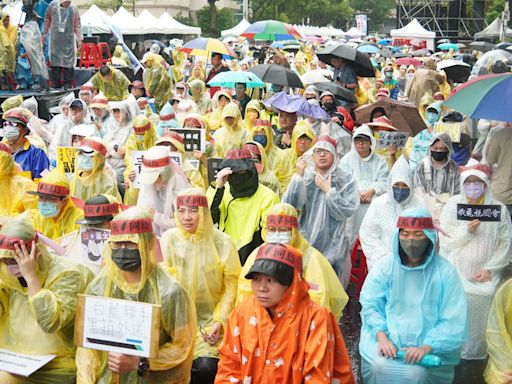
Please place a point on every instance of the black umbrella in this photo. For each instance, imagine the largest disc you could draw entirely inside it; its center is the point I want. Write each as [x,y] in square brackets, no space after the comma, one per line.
[503,45]
[358,60]
[456,70]
[482,46]
[278,75]
[337,90]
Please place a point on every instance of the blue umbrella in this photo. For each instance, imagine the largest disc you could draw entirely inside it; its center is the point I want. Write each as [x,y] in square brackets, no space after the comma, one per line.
[448,46]
[368,49]
[230,79]
[386,42]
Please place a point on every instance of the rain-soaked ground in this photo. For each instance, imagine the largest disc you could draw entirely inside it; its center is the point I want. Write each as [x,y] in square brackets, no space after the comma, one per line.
[468,372]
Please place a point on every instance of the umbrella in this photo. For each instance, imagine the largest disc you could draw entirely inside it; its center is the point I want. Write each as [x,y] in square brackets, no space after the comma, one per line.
[316,76]
[448,46]
[278,75]
[398,55]
[385,53]
[386,42]
[482,46]
[420,53]
[368,48]
[461,45]
[230,79]
[337,90]
[503,45]
[443,41]
[456,70]
[203,47]
[409,61]
[485,98]
[271,30]
[404,116]
[296,104]
[358,60]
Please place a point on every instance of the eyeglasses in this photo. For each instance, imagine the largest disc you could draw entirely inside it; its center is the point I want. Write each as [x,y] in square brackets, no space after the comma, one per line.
[320,151]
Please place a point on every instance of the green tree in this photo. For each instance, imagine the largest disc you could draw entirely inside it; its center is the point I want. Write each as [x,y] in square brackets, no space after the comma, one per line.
[494,9]
[224,17]
[115,4]
[376,10]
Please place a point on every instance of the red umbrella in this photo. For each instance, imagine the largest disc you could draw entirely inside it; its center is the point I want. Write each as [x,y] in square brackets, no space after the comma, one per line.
[409,61]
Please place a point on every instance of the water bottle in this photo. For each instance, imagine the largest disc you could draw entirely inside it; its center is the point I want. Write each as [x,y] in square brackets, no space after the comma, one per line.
[428,361]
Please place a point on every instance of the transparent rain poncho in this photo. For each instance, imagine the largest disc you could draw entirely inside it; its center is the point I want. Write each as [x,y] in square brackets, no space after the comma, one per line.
[230,136]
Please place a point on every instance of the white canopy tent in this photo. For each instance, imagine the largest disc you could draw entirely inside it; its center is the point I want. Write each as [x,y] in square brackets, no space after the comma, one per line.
[493,30]
[94,21]
[354,33]
[171,26]
[415,31]
[310,30]
[150,24]
[238,29]
[127,23]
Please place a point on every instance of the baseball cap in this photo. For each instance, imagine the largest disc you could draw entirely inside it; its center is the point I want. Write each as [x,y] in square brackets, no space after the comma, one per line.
[99,209]
[154,162]
[77,103]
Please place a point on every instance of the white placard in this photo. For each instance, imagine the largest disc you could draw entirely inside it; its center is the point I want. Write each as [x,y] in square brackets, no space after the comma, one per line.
[117,326]
[136,158]
[388,138]
[176,156]
[92,242]
[23,365]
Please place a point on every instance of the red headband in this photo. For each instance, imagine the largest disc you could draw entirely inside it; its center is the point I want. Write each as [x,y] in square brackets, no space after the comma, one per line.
[8,242]
[282,221]
[167,117]
[262,123]
[52,189]
[121,227]
[143,129]
[478,167]
[174,135]
[238,154]
[252,148]
[101,210]
[192,201]
[5,148]
[99,100]
[282,254]
[327,139]
[156,163]
[407,222]
[98,147]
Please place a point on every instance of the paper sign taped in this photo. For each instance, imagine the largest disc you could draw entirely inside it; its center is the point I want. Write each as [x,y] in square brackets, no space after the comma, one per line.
[92,242]
[468,212]
[453,130]
[23,365]
[387,139]
[136,158]
[66,159]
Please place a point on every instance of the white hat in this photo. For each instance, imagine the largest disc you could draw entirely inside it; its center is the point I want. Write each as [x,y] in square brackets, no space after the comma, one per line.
[154,162]
[83,130]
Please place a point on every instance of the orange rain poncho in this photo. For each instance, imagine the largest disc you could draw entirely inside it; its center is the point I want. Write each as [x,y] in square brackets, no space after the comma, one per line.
[301,344]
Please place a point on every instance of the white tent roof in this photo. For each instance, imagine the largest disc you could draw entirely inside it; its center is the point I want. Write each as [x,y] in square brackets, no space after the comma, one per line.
[127,23]
[354,33]
[413,30]
[493,30]
[238,29]
[150,24]
[93,21]
[171,26]
[309,30]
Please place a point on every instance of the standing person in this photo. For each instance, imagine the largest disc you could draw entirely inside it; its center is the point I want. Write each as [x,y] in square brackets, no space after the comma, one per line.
[205,262]
[218,67]
[199,96]
[9,39]
[131,273]
[111,82]
[157,81]
[426,81]
[326,196]
[279,335]
[413,302]
[62,22]
[344,74]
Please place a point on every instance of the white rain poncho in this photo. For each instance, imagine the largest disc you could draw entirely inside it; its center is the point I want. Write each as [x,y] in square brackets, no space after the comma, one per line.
[370,173]
[324,215]
[486,249]
[424,305]
[379,223]
[116,134]
[436,185]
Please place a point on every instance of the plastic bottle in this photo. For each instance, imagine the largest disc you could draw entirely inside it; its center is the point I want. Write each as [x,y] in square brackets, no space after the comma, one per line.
[428,361]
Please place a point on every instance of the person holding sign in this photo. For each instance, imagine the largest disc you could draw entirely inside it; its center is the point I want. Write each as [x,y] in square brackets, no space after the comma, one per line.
[38,295]
[131,272]
[479,251]
[413,302]
[279,335]
[56,215]
[91,177]
[265,174]
[205,261]
[389,153]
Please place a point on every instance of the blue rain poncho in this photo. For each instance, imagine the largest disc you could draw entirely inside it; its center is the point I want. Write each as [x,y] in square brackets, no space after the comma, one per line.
[421,142]
[414,306]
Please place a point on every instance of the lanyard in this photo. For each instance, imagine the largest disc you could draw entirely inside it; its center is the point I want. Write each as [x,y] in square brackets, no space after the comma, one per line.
[60,15]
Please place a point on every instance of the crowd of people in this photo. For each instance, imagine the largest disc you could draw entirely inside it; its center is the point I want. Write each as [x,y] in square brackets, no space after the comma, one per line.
[245,240]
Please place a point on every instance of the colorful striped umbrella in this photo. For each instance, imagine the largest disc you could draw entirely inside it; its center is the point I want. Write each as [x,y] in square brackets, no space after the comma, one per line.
[271,30]
[484,98]
[204,47]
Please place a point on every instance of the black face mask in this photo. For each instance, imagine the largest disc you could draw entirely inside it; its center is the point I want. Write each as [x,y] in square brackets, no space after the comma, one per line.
[243,184]
[329,106]
[126,259]
[439,156]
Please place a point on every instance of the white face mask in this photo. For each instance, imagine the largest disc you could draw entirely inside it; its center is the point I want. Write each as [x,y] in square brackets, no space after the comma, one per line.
[85,163]
[140,137]
[279,237]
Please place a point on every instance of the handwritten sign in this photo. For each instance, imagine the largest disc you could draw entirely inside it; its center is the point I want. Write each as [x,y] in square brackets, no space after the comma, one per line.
[468,212]
[387,139]
[115,325]
[92,242]
[213,168]
[66,159]
[452,129]
[194,138]
[23,365]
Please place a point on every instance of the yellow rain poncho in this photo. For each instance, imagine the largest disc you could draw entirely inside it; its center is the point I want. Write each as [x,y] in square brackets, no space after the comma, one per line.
[118,58]
[206,264]
[215,117]
[444,87]
[157,80]
[178,58]
[142,126]
[11,102]
[9,38]
[65,221]
[248,122]
[177,318]
[325,287]
[114,89]
[230,136]
[99,180]
[499,335]
[265,176]
[14,198]
[42,323]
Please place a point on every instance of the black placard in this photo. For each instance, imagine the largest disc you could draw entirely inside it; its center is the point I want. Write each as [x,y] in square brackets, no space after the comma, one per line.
[468,212]
[194,138]
[213,168]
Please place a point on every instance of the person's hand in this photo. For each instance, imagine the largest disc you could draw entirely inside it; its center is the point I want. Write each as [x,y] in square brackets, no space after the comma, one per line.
[414,355]
[367,196]
[286,138]
[301,166]
[201,156]
[131,176]
[336,119]
[323,184]
[121,363]
[507,377]
[27,262]
[79,45]
[341,84]
[222,176]
[212,337]
[392,150]
[473,225]
[482,276]
[385,347]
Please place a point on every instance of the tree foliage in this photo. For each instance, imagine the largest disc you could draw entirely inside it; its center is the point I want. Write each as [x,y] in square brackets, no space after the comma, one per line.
[376,10]
[494,10]
[115,4]
[225,19]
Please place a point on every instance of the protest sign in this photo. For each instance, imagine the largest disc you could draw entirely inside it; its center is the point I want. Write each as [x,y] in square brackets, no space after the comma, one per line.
[468,212]
[452,129]
[213,168]
[92,242]
[66,159]
[115,325]
[175,156]
[388,138]
[23,365]
[194,138]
